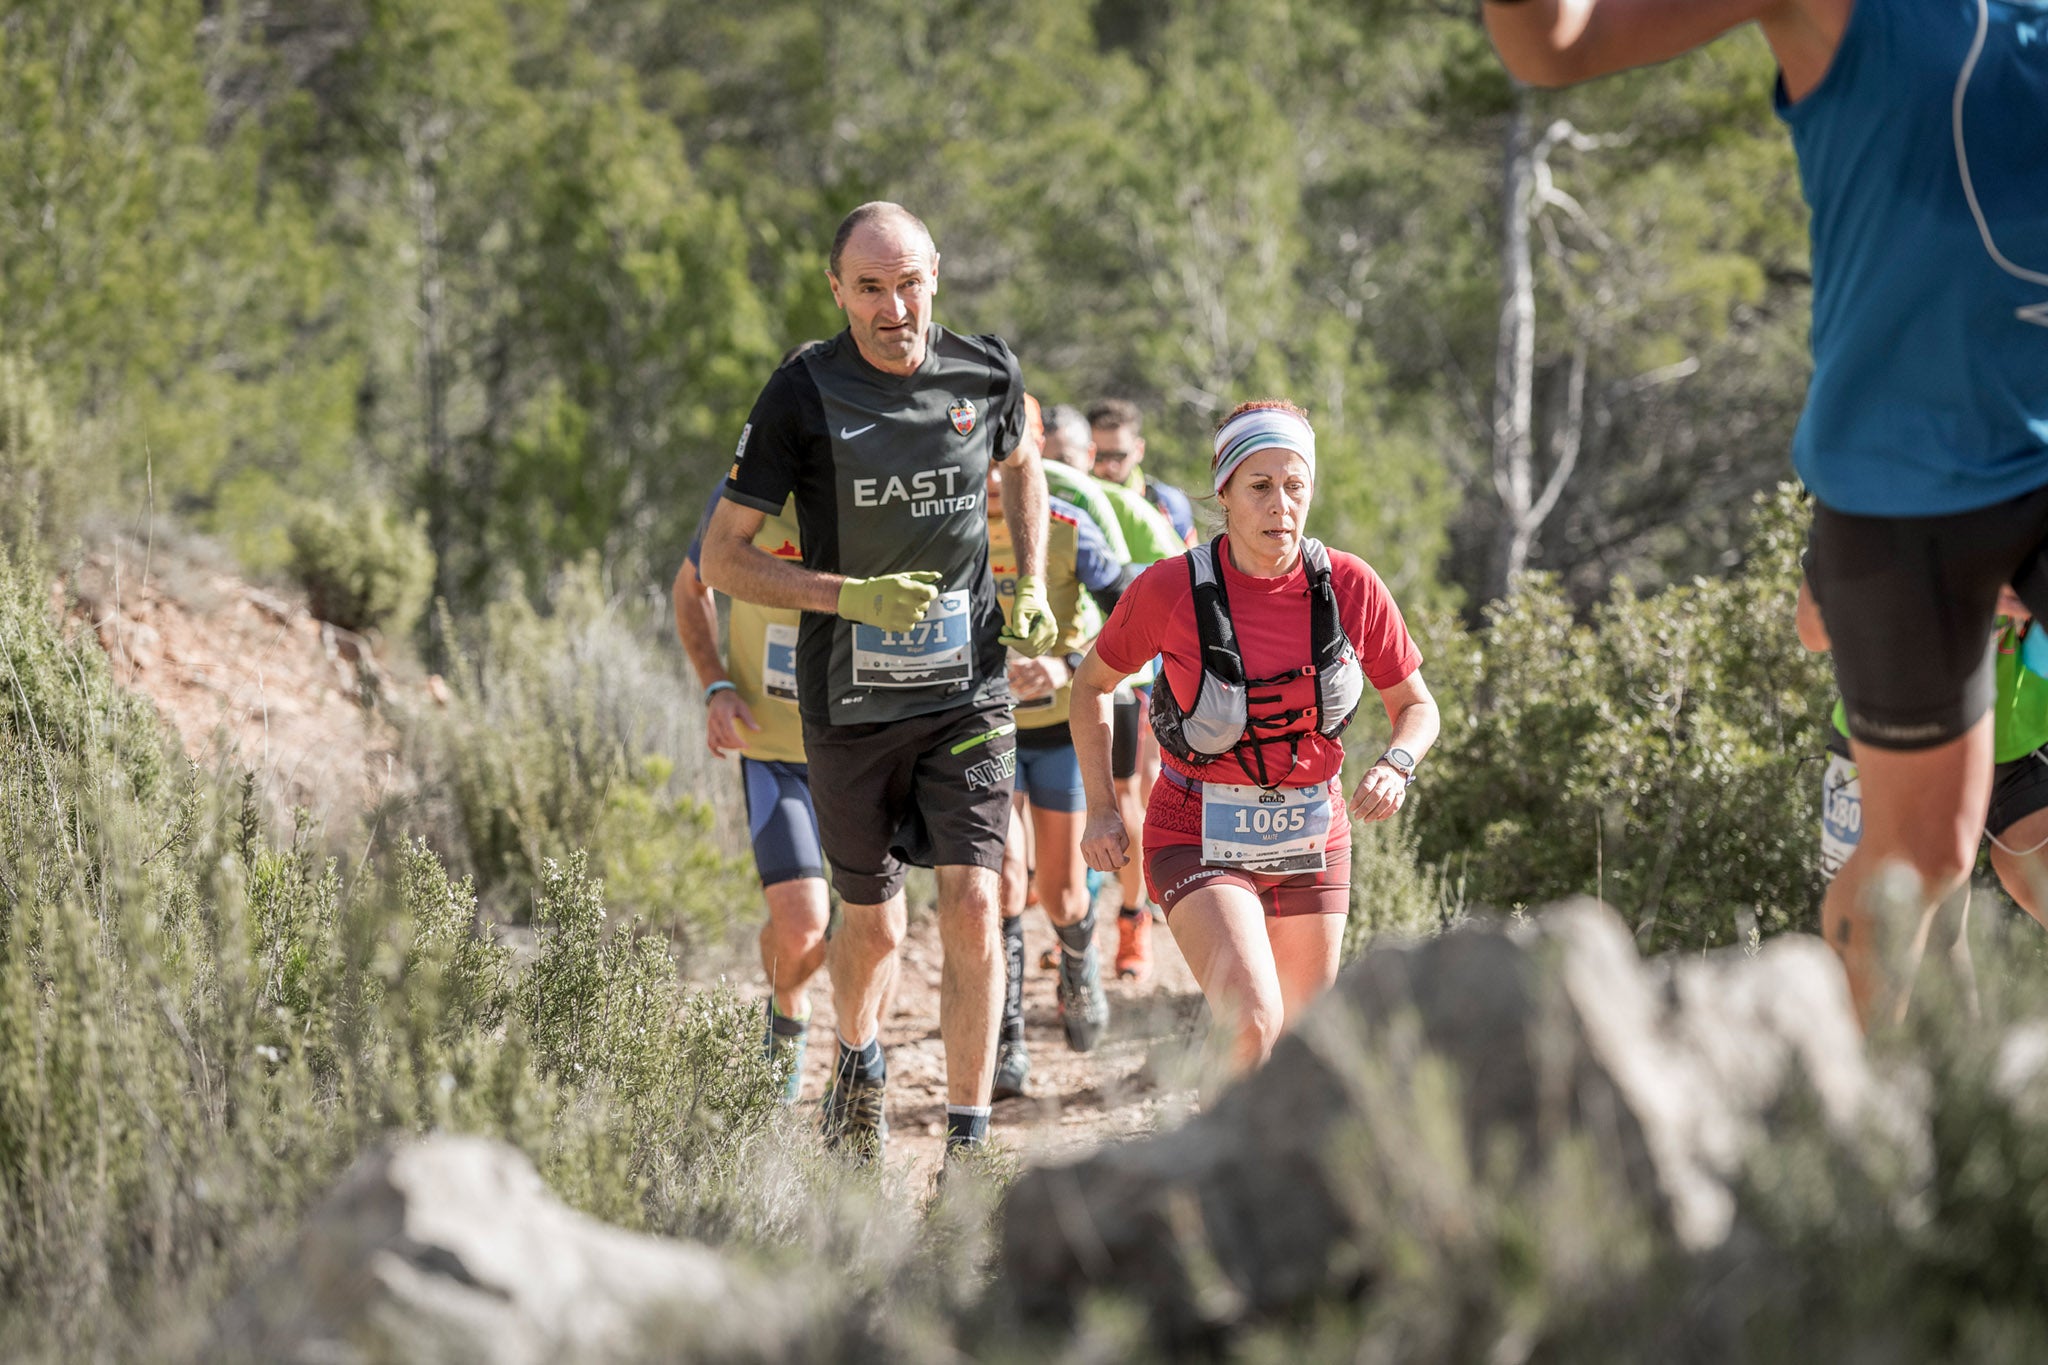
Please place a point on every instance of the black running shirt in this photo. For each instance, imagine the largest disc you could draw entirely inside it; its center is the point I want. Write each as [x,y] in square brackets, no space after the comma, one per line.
[889,473]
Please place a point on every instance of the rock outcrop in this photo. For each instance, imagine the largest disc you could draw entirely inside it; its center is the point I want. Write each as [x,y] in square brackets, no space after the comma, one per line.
[1435,1068]
[451,1250]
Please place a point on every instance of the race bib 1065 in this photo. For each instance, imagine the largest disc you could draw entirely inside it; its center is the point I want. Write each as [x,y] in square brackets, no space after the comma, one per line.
[1283,830]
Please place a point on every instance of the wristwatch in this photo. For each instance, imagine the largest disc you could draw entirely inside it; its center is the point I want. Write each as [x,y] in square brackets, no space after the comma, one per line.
[1401,761]
[1073,662]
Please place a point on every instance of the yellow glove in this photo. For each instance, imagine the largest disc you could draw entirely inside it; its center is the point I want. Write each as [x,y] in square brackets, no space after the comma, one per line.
[1033,630]
[894,601]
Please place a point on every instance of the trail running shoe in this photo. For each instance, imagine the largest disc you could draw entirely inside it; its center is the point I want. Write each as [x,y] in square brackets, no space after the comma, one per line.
[854,1120]
[1013,1069]
[787,1045]
[1134,947]
[1084,1005]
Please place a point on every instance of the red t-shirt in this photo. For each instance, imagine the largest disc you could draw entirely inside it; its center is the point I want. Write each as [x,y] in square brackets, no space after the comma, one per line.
[1271,616]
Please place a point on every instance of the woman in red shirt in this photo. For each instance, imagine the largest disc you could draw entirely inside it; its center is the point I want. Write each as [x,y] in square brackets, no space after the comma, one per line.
[1245,844]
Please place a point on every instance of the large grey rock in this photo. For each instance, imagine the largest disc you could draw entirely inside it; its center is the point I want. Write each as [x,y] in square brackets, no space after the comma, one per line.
[1434,1069]
[451,1250]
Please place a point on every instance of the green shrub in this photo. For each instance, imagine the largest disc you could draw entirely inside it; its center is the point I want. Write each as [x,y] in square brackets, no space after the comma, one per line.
[569,731]
[29,467]
[1663,755]
[365,569]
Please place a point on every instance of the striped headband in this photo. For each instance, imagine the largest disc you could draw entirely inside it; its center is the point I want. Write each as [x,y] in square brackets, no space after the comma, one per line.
[1261,429]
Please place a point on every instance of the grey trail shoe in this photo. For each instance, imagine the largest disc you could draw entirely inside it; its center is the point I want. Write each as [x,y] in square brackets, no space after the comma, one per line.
[1084,1005]
[1013,1069]
[854,1121]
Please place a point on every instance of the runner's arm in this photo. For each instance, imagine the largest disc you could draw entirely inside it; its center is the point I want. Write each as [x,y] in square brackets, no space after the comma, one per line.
[1105,843]
[1102,574]
[1414,714]
[1416,723]
[697,625]
[1023,480]
[1562,42]
[737,567]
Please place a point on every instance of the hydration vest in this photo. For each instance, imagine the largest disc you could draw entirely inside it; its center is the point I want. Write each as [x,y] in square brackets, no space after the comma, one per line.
[1218,722]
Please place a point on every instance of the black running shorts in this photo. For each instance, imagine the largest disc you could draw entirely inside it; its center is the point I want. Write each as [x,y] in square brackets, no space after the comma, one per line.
[2018,789]
[1908,604]
[1126,714]
[933,790]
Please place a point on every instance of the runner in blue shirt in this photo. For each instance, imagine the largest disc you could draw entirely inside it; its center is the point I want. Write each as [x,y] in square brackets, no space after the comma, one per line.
[1922,136]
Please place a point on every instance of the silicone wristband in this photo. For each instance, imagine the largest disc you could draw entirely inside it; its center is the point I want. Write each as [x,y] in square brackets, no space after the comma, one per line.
[722,685]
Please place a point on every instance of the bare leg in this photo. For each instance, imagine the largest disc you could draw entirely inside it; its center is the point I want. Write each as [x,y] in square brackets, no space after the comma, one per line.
[1221,931]
[1948,948]
[2020,857]
[971,980]
[1016,870]
[793,941]
[1131,876]
[1062,876]
[1922,810]
[862,961]
[1306,949]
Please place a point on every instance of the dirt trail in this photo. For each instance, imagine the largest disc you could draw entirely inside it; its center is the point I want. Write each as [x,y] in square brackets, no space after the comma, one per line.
[1134,1081]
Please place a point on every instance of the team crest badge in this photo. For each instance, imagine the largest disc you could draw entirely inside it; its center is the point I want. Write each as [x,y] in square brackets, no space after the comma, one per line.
[962,414]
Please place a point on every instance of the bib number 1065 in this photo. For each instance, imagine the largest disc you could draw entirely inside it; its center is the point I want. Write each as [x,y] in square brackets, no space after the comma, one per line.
[1266,821]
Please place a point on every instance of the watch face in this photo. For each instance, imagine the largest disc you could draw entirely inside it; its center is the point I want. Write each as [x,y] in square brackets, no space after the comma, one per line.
[1401,759]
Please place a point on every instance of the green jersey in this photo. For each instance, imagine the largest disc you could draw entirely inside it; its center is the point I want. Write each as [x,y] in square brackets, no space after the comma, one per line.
[2019,712]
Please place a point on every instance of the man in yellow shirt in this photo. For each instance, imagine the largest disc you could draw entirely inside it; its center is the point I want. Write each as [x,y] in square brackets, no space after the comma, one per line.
[750,710]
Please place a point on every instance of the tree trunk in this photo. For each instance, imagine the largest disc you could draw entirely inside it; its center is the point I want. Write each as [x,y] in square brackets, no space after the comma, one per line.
[1514,361]
[422,145]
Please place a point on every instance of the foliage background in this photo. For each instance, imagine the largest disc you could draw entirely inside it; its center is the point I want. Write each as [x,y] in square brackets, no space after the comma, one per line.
[505,275]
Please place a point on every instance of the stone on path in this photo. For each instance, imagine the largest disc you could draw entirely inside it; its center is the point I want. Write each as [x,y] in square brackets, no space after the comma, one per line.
[1430,1070]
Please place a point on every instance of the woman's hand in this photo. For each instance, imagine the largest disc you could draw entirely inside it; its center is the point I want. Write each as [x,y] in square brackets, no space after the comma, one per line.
[1105,844]
[1380,793]
[722,721]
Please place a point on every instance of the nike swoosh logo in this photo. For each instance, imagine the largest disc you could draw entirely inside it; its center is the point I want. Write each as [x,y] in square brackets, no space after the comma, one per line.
[846,435]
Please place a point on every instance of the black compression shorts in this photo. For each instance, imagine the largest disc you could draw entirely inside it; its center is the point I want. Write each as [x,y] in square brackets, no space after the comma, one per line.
[1126,714]
[1908,603]
[933,790]
[2018,789]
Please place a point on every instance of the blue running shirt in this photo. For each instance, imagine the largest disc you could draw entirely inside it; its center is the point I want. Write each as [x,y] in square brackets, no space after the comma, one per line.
[1923,154]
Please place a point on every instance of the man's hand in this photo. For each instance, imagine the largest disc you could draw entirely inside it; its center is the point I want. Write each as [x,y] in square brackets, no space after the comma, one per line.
[894,601]
[722,721]
[1032,630]
[1031,679]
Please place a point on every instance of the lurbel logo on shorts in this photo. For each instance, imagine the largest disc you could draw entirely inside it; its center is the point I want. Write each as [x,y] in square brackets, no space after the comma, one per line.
[962,414]
[929,492]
